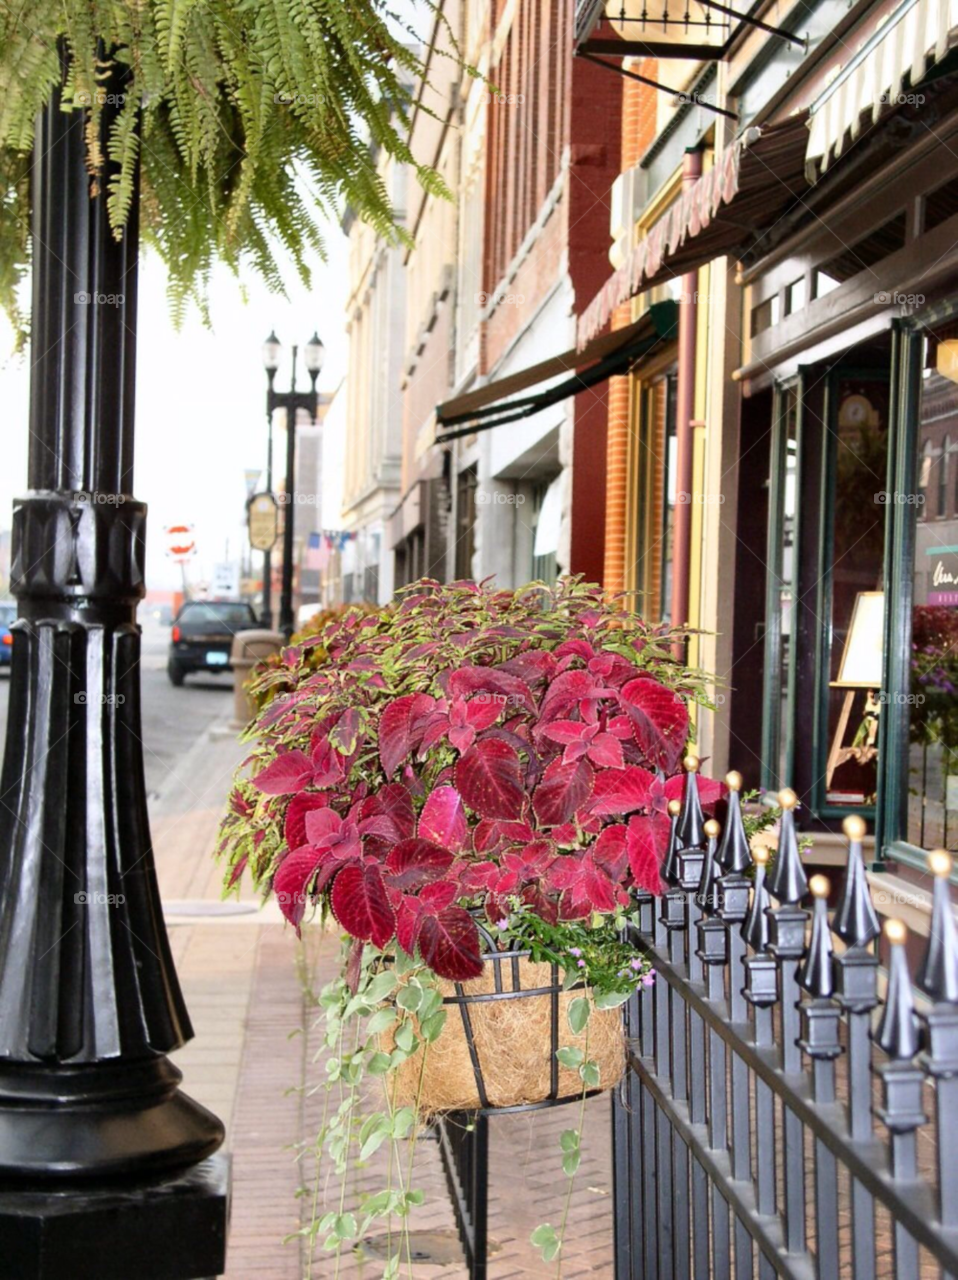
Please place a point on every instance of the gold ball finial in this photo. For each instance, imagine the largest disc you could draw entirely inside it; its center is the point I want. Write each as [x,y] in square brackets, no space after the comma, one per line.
[712,829]
[691,763]
[854,827]
[675,808]
[787,798]
[819,886]
[760,855]
[896,932]
[733,780]
[939,862]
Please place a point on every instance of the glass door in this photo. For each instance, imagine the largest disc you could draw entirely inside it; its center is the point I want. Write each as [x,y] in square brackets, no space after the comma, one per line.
[782,566]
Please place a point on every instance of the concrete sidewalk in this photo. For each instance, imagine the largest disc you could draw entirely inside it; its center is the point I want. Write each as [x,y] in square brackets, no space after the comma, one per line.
[254,1061]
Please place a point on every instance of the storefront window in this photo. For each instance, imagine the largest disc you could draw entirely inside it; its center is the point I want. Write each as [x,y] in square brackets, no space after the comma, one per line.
[854,536]
[932,815]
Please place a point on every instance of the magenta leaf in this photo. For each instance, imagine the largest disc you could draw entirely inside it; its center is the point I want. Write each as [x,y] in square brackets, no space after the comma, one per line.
[564,692]
[595,887]
[449,944]
[622,790]
[443,819]
[345,735]
[400,729]
[289,884]
[295,828]
[564,790]
[647,838]
[408,919]
[288,774]
[660,721]
[361,904]
[610,851]
[414,863]
[436,897]
[489,779]
[389,813]
[711,791]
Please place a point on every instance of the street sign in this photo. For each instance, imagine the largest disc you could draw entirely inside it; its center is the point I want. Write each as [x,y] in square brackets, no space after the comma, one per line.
[251,477]
[180,542]
[262,519]
[226,580]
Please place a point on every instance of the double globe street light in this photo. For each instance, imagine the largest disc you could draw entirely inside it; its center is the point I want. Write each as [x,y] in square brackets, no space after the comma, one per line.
[313,355]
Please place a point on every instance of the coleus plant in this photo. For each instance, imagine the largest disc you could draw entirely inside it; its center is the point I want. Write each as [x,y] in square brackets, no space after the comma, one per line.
[471,753]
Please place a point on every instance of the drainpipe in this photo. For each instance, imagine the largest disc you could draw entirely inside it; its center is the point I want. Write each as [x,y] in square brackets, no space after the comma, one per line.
[685,412]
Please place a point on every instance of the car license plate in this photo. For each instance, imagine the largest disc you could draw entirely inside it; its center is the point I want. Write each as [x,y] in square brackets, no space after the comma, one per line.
[216,659]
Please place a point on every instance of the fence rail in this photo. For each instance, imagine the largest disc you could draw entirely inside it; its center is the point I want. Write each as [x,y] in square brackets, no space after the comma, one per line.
[769,1122]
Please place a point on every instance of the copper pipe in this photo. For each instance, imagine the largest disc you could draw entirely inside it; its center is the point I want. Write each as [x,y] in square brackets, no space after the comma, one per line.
[684,413]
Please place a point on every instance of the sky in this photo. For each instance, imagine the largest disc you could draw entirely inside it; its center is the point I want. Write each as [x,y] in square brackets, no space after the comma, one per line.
[200,402]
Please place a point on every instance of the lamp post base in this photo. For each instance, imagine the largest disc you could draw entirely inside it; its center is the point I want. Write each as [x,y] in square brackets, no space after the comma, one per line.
[165,1228]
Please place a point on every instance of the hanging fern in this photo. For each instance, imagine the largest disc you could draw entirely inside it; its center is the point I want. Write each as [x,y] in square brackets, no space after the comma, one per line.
[253,122]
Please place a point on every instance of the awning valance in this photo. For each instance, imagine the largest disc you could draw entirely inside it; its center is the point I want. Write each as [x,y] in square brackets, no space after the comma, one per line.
[500,401]
[751,183]
[916,35]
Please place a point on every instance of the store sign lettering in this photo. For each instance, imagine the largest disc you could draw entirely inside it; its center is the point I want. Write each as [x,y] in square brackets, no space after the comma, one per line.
[944,579]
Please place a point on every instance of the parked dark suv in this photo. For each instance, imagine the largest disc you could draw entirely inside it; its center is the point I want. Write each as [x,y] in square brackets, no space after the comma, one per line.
[202,636]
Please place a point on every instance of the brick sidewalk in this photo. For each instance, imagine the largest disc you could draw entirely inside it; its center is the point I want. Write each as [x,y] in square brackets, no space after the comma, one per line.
[254,1049]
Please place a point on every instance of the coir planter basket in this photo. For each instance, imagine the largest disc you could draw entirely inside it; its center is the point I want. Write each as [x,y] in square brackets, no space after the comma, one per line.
[497,1051]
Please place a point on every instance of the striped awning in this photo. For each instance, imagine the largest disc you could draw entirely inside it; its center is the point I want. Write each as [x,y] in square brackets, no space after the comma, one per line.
[751,183]
[915,35]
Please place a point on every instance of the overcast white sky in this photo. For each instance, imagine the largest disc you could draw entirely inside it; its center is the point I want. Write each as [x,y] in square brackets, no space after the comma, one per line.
[200,401]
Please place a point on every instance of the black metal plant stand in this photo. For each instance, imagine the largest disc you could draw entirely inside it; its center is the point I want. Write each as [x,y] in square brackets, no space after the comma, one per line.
[105,1165]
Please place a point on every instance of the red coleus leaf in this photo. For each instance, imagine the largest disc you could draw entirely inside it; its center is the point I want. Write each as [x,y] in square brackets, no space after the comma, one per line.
[388,813]
[622,790]
[436,897]
[408,919]
[564,790]
[564,692]
[647,838]
[443,819]
[288,774]
[478,877]
[610,851]
[289,884]
[414,863]
[594,886]
[294,831]
[361,904]
[660,721]
[711,791]
[449,944]
[327,764]
[489,778]
[400,729]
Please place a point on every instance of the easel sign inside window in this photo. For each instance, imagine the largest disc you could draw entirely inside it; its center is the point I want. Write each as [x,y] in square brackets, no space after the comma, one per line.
[861,669]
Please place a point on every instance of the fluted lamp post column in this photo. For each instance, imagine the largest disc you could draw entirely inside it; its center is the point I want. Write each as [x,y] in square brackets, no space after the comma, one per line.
[106,1168]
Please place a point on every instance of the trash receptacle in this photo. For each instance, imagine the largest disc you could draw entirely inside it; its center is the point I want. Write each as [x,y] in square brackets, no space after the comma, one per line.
[249,647]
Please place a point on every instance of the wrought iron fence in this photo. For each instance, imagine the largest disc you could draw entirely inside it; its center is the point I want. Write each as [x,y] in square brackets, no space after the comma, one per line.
[770,1118]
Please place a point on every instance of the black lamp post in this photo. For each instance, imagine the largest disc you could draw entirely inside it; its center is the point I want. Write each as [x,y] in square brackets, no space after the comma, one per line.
[105,1165]
[313,355]
[271,350]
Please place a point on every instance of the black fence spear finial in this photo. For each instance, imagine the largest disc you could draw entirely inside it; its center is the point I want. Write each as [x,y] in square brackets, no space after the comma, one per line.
[938,975]
[815,974]
[788,882]
[733,853]
[856,921]
[897,1032]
